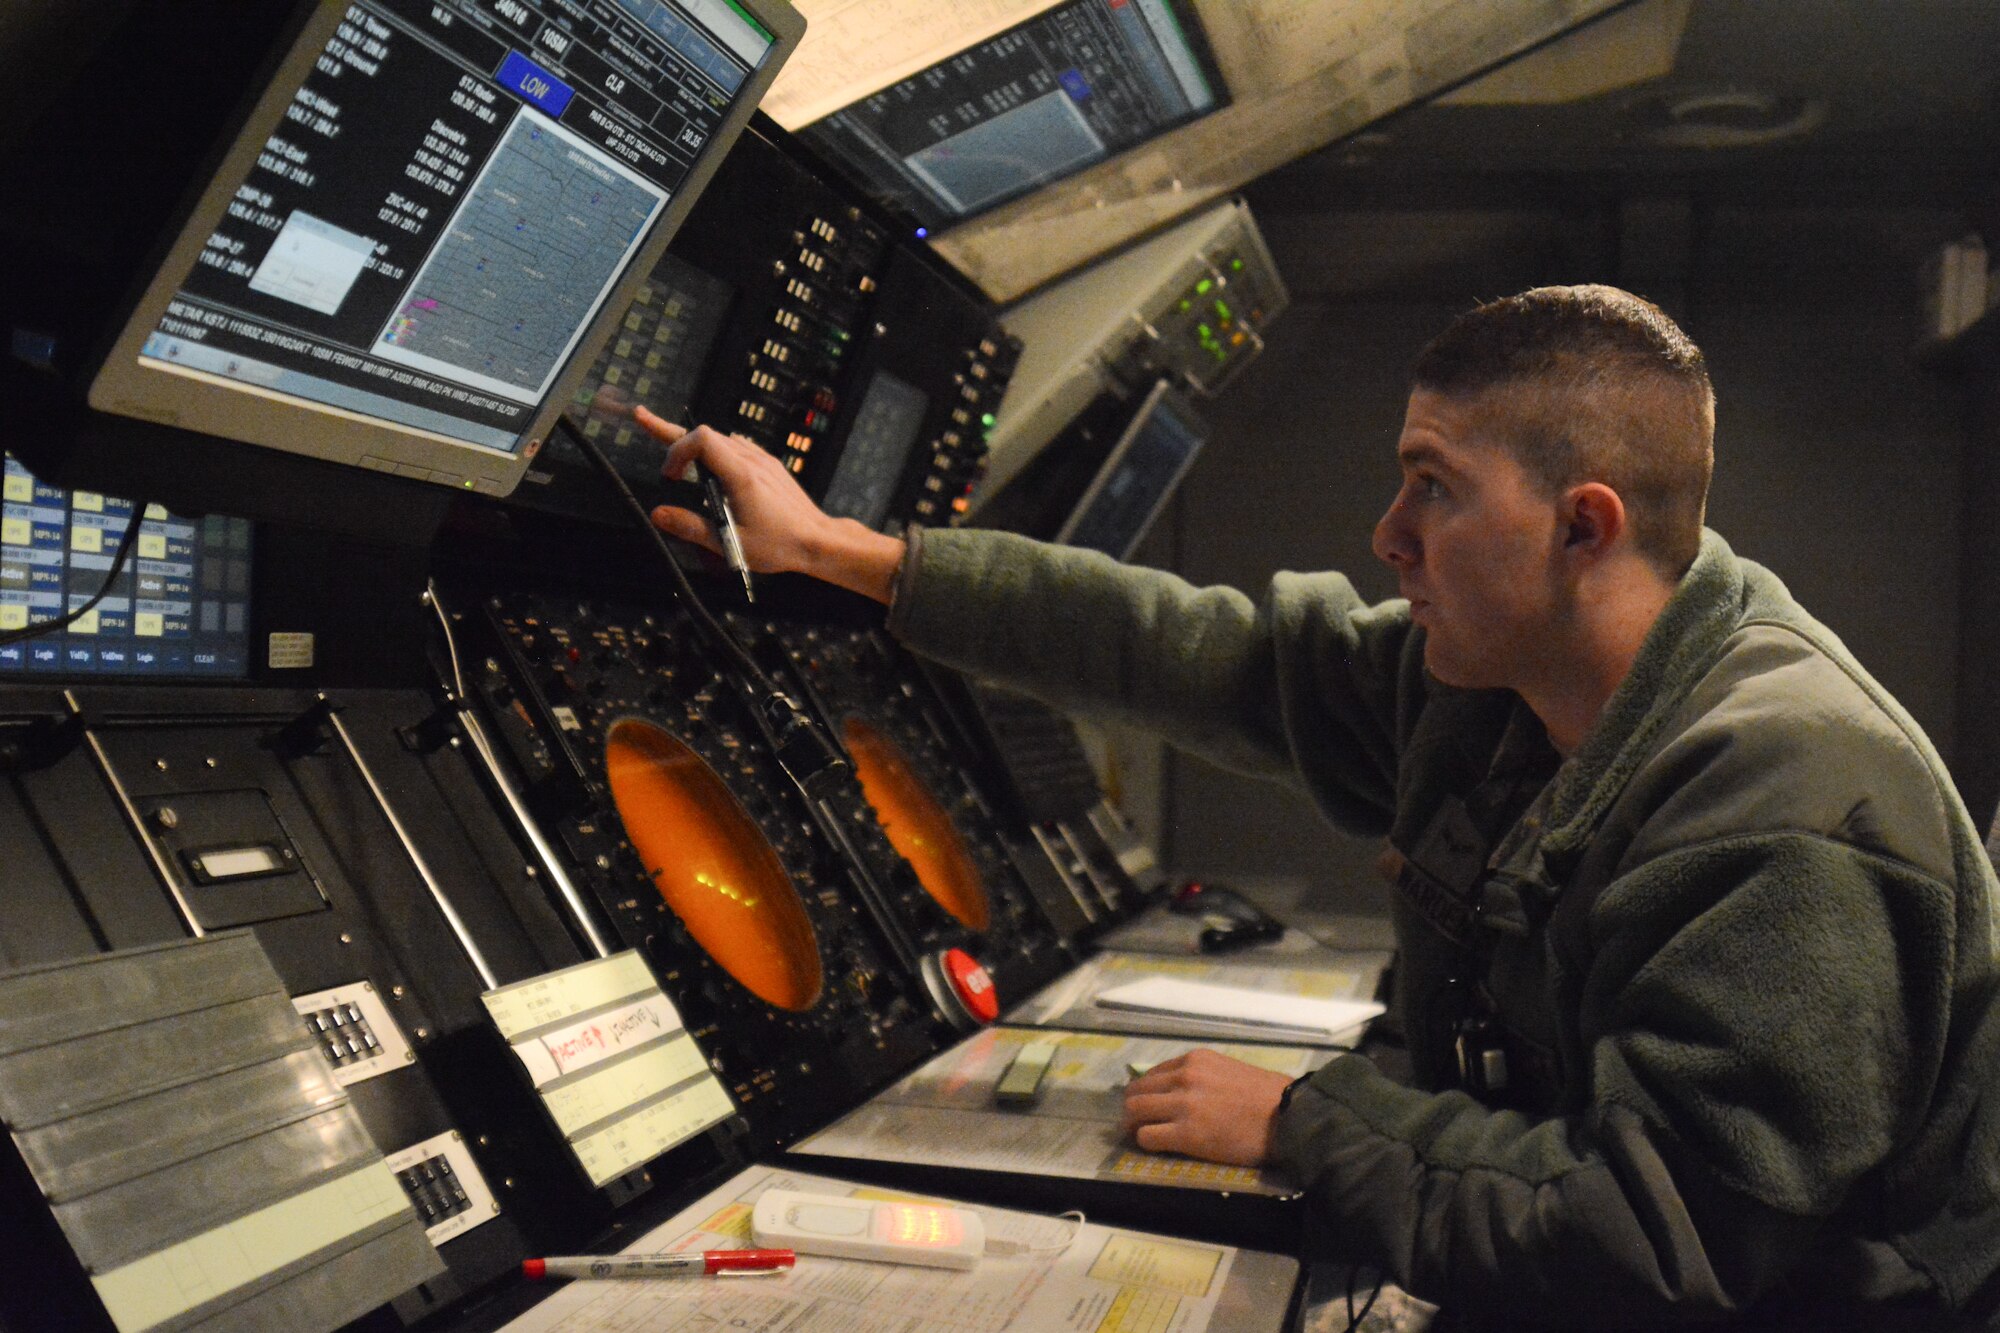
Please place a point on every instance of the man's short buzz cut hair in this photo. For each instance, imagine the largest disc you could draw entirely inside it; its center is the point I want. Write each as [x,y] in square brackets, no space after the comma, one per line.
[1591,383]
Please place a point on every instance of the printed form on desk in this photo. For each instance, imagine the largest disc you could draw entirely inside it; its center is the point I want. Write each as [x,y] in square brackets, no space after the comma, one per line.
[943,1113]
[1104,1281]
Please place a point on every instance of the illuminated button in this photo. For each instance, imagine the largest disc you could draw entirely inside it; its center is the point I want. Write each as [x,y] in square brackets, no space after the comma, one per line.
[972,985]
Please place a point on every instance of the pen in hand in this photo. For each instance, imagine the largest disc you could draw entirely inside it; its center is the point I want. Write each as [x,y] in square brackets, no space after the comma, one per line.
[701,1263]
[613,402]
[725,523]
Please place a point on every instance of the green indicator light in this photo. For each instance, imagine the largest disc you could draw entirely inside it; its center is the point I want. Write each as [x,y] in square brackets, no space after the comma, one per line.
[1222,310]
[1203,287]
[1205,331]
[1186,304]
[1236,265]
[986,420]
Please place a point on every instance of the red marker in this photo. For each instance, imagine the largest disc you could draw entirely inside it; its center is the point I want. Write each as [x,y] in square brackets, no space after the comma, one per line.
[704,1263]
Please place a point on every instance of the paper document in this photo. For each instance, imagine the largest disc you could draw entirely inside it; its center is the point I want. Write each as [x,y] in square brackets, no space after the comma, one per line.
[1071,1001]
[1281,1015]
[944,1114]
[1087,1279]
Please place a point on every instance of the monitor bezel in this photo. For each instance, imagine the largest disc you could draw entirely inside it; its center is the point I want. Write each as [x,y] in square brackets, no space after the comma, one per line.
[122,385]
[1163,391]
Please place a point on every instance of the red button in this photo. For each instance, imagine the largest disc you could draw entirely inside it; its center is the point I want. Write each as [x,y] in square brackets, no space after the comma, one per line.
[974,986]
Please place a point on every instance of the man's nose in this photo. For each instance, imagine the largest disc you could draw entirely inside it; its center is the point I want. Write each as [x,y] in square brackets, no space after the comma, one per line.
[1393,543]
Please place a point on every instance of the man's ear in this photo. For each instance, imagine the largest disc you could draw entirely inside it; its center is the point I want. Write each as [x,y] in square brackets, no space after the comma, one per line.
[1595,519]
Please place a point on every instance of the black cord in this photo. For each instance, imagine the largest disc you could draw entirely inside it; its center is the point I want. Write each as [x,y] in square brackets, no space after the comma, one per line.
[125,545]
[1354,1320]
[806,751]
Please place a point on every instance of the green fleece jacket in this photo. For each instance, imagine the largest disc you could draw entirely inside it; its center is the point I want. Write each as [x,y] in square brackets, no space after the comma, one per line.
[1736,953]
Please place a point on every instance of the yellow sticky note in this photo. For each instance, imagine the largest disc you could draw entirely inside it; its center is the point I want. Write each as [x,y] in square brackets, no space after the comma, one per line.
[19,490]
[149,624]
[16,531]
[87,540]
[89,502]
[1143,1261]
[85,623]
[152,546]
[1136,1311]
[13,617]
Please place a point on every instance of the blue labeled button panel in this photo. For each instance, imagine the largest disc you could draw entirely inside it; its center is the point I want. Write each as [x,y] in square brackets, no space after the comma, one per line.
[537,86]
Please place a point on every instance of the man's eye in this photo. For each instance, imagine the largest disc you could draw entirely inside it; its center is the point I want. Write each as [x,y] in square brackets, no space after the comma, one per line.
[1430,487]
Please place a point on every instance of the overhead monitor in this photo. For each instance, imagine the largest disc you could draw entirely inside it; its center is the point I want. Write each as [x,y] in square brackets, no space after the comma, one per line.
[414,247]
[1138,478]
[1071,87]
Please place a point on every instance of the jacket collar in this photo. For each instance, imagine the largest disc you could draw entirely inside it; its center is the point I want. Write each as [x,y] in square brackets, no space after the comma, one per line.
[1683,644]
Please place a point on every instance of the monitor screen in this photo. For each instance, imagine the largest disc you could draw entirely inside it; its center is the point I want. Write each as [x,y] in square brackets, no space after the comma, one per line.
[1139,477]
[180,607]
[404,258]
[655,359]
[1041,101]
[877,451]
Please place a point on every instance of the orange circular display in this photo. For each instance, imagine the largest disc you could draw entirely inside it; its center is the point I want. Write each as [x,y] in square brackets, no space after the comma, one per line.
[918,827]
[712,865]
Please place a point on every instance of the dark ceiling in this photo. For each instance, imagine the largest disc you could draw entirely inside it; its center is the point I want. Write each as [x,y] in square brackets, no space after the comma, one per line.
[1812,101]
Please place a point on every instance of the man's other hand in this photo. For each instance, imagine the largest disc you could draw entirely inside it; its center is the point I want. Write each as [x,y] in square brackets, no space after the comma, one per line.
[1204,1104]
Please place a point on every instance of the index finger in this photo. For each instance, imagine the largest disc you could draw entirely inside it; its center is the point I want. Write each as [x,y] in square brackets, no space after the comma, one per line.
[661,429]
[704,445]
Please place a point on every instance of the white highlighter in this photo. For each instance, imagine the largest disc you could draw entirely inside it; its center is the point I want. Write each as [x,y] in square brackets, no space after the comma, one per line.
[844,1228]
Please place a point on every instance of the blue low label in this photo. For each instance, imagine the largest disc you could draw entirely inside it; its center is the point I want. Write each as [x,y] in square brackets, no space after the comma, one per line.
[518,74]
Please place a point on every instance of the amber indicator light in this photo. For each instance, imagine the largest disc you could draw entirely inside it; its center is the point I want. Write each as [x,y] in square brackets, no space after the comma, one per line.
[917,825]
[713,865]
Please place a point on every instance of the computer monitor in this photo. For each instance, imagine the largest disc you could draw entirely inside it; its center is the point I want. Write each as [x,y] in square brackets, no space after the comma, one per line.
[418,240]
[1138,478]
[180,608]
[1041,101]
